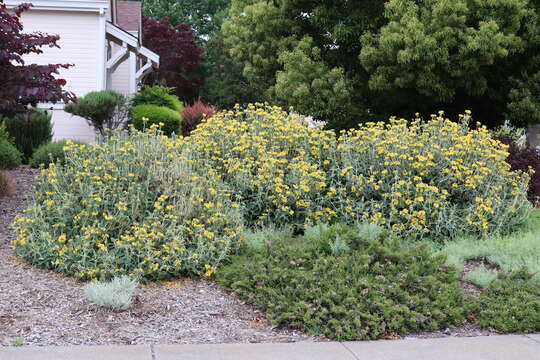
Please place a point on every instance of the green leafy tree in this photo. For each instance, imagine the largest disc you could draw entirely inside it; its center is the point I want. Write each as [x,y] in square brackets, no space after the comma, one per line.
[225,84]
[392,57]
[205,16]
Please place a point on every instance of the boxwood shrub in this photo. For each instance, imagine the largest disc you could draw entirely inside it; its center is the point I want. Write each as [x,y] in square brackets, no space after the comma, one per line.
[145,115]
[159,96]
[376,287]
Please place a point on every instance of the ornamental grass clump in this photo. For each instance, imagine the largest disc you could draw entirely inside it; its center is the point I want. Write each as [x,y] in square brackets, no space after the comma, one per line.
[136,206]
[116,294]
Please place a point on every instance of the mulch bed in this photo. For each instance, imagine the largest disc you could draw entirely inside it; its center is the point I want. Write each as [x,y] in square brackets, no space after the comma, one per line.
[41,307]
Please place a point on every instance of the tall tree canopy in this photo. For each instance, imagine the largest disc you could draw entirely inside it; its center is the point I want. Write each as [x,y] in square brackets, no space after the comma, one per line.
[24,84]
[348,61]
[180,56]
[204,16]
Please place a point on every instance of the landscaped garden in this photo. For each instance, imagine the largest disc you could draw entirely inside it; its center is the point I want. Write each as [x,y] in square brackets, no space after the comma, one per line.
[185,223]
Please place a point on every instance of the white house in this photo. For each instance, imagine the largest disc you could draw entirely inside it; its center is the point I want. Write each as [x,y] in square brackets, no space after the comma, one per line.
[101,38]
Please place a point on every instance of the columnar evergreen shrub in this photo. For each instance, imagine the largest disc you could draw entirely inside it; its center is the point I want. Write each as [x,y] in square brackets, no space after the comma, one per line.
[10,157]
[29,130]
[375,288]
[136,206]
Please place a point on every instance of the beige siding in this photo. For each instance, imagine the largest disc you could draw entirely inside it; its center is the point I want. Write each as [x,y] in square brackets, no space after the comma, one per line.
[120,78]
[79,45]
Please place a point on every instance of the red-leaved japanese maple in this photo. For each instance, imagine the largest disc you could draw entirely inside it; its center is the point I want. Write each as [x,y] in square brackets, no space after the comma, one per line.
[24,84]
[180,57]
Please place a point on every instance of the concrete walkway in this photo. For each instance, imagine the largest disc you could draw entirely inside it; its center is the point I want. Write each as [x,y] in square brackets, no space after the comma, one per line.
[506,347]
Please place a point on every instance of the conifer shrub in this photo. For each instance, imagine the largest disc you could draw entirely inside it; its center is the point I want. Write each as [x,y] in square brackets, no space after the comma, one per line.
[29,131]
[145,115]
[509,304]
[10,157]
[136,205]
[375,288]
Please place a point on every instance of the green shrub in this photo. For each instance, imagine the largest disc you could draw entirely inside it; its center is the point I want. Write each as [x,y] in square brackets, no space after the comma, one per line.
[157,95]
[376,288]
[10,157]
[144,116]
[116,294]
[509,304]
[29,131]
[136,205]
[104,110]
[50,153]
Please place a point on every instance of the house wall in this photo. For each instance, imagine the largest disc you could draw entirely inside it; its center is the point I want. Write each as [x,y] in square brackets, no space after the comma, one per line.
[79,45]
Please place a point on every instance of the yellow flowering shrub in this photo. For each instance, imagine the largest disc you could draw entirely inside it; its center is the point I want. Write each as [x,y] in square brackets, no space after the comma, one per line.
[435,178]
[276,166]
[135,206]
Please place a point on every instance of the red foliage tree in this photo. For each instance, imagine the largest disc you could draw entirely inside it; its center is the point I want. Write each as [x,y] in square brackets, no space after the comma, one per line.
[180,57]
[22,84]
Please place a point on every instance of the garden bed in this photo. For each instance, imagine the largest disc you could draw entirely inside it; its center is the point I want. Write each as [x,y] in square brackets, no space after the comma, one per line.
[44,308]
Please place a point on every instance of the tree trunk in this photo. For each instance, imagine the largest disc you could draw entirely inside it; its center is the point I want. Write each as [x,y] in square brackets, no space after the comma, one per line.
[532,135]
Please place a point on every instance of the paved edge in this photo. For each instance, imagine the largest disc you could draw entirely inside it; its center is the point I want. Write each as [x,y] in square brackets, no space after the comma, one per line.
[499,347]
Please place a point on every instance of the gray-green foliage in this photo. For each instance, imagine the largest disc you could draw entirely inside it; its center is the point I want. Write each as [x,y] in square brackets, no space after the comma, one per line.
[339,246]
[260,240]
[371,231]
[103,110]
[481,276]
[116,294]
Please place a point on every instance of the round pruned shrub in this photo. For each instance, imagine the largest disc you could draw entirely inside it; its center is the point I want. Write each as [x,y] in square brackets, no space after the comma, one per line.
[10,157]
[433,178]
[374,288]
[144,116]
[157,95]
[51,153]
[134,206]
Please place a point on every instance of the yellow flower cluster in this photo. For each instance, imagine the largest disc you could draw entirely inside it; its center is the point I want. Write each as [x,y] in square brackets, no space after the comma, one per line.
[275,165]
[130,206]
[151,206]
[436,177]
